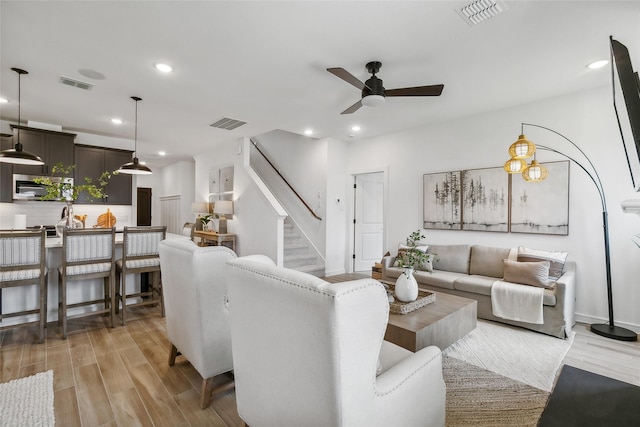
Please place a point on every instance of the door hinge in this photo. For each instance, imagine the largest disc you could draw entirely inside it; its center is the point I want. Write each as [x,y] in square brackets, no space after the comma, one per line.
[353,256]
[354,220]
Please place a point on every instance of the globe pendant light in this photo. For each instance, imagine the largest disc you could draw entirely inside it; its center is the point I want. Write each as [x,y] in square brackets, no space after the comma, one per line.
[17,155]
[135,167]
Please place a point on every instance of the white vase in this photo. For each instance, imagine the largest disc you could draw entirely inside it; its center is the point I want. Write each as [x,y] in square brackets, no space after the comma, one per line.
[406,286]
[68,220]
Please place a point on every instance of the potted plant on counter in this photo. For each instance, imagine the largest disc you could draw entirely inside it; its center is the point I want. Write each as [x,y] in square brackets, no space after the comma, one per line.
[67,190]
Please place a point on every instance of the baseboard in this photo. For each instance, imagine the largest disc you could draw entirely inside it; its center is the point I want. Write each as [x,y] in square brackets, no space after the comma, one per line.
[334,272]
[584,318]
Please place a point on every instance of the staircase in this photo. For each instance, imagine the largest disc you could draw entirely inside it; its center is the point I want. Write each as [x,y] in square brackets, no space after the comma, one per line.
[299,254]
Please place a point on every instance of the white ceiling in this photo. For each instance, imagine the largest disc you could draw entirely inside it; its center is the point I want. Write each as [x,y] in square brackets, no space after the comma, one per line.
[265,63]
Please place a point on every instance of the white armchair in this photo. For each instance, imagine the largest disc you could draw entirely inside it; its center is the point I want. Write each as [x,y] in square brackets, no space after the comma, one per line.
[196,308]
[306,353]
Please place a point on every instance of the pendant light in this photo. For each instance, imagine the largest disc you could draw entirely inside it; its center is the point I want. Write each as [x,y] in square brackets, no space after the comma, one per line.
[135,167]
[17,155]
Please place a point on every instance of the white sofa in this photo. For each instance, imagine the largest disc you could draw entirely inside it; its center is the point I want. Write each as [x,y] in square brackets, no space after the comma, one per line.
[470,271]
[306,353]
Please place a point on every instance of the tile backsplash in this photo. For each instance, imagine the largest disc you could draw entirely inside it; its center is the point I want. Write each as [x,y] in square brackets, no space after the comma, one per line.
[48,213]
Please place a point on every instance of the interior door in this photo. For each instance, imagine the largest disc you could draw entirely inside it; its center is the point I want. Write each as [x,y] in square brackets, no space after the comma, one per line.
[368,226]
[144,206]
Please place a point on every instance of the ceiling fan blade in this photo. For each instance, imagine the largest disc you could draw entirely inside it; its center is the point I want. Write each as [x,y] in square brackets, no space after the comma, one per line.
[355,107]
[347,77]
[433,90]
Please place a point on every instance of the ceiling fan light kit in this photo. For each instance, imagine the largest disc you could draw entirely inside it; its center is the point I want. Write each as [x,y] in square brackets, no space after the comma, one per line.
[374,93]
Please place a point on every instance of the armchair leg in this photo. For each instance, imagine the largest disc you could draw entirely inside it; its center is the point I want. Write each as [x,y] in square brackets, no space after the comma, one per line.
[173,352]
[207,390]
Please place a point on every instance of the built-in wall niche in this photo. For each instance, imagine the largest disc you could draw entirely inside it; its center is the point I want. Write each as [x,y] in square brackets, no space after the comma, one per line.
[220,184]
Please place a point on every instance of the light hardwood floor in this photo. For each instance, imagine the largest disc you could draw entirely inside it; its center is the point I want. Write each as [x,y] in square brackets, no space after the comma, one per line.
[120,376]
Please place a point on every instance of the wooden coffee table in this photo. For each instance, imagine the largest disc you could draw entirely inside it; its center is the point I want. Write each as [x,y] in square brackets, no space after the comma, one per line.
[440,323]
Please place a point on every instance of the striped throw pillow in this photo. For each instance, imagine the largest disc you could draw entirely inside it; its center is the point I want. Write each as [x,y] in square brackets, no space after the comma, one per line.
[556,259]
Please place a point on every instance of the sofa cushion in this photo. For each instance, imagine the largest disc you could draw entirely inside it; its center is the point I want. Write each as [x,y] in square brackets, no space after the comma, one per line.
[440,279]
[487,261]
[528,273]
[453,258]
[475,284]
[556,259]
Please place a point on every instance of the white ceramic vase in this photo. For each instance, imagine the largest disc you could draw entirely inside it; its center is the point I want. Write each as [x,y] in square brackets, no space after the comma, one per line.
[406,286]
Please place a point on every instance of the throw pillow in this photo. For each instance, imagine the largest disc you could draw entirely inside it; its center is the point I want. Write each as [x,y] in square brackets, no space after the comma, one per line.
[427,265]
[402,248]
[556,259]
[528,273]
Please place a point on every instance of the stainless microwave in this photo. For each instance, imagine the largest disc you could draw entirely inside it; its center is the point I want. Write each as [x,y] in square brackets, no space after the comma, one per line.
[25,187]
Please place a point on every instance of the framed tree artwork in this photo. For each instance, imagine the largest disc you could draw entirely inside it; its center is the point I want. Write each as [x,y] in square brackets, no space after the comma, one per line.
[541,207]
[485,200]
[441,200]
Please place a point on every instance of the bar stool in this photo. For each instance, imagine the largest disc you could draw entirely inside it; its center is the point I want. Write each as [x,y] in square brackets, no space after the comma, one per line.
[140,255]
[87,253]
[23,263]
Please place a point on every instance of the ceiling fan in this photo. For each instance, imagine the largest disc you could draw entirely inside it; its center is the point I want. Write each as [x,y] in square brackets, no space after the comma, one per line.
[373,93]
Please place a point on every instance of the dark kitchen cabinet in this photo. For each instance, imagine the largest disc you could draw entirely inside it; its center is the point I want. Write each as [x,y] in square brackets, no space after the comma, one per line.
[6,171]
[52,147]
[92,161]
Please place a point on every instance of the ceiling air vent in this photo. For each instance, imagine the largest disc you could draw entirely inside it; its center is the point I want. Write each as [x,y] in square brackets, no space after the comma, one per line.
[227,123]
[481,10]
[75,83]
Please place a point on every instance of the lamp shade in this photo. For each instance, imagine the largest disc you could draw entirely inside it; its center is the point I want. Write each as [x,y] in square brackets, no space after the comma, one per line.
[223,207]
[522,148]
[199,207]
[515,165]
[135,168]
[535,172]
[17,155]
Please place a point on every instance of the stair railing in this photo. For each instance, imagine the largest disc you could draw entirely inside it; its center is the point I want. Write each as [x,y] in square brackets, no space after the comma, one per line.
[285,180]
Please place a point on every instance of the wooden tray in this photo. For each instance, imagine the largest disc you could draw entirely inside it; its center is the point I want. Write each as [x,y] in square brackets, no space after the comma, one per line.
[399,307]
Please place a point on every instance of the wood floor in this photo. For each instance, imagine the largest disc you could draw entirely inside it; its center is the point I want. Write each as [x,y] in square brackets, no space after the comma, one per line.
[120,376]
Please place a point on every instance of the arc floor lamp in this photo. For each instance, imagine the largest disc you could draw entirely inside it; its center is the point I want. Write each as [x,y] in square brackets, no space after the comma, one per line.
[522,149]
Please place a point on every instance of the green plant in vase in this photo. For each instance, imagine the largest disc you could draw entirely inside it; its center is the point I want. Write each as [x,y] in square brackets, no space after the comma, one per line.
[67,190]
[205,220]
[413,256]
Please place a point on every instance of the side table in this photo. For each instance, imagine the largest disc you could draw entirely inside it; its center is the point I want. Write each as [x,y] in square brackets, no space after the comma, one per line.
[217,239]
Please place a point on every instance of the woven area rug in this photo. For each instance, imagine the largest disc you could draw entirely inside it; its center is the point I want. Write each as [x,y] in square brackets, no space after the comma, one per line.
[28,401]
[480,398]
[526,356]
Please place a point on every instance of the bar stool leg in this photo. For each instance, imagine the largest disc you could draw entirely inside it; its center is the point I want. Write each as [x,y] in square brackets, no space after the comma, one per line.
[62,312]
[123,295]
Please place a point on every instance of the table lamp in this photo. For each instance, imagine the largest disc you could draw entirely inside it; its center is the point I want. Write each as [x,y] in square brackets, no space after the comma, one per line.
[222,208]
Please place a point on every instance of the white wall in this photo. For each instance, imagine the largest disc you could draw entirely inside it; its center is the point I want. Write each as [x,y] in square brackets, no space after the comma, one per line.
[178,179]
[337,212]
[482,141]
[303,163]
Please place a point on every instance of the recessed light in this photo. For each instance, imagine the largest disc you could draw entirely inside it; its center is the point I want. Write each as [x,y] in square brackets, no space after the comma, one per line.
[355,128]
[2,100]
[162,153]
[164,68]
[116,121]
[142,162]
[308,132]
[597,64]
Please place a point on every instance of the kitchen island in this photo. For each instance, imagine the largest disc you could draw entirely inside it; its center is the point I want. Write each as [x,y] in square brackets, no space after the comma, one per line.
[24,298]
